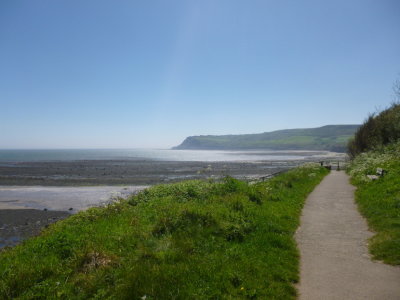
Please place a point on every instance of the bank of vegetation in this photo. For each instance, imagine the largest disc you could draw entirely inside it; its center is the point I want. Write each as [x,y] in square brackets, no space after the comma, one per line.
[377,131]
[190,240]
[376,145]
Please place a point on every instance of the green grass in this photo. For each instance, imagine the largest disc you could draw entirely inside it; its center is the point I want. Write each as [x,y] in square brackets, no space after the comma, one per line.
[379,200]
[191,240]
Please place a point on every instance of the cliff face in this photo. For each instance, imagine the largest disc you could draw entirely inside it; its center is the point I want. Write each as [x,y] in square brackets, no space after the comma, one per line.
[330,137]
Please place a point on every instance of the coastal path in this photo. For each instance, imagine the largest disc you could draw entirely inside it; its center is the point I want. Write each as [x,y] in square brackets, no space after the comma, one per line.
[332,239]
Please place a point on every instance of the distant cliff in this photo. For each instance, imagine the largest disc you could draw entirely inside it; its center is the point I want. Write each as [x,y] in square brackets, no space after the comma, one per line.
[330,137]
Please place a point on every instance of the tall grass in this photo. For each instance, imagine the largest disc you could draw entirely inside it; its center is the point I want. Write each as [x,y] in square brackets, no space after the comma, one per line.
[191,240]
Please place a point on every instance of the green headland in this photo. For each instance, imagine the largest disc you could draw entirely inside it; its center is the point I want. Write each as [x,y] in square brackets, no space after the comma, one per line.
[330,138]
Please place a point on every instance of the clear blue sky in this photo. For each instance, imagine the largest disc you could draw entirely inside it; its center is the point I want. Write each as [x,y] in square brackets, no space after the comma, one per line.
[110,74]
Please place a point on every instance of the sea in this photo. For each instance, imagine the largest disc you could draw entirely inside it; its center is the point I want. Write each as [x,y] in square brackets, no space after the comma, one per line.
[155,155]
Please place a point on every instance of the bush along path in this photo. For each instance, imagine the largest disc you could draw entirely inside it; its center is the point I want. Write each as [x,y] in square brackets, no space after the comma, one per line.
[191,240]
[332,238]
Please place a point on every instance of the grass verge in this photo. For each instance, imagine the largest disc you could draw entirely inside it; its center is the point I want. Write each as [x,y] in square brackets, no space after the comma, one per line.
[191,240]
[379,200]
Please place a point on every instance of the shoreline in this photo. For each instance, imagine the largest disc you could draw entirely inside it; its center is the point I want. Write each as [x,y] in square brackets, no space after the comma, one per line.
[26,210]
[62,198]
[36,194]
[130,172]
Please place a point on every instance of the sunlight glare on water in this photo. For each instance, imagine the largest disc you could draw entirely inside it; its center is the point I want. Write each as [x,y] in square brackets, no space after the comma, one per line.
[151,154]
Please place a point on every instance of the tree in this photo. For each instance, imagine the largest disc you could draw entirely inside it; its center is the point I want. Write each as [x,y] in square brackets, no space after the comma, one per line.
[396,89]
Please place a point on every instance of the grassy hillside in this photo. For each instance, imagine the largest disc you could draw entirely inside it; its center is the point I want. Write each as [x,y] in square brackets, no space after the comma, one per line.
[379,200]
[331,137]
[191,240]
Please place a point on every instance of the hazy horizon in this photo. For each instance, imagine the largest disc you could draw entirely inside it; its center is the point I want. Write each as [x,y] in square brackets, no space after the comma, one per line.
[140,75]
[170,147]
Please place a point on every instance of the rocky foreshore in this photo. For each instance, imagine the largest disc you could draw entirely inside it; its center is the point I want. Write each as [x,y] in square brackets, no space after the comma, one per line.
[129,172]
[19,224]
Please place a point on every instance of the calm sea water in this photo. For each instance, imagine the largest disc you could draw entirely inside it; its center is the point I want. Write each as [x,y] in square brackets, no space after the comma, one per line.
[152,154]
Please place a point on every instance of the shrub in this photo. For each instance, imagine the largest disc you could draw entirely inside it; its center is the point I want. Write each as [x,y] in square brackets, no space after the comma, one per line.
[378,130]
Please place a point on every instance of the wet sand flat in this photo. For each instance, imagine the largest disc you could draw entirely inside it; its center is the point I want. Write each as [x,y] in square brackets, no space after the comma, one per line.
[128,172]
[61,198]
